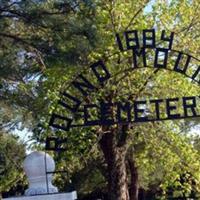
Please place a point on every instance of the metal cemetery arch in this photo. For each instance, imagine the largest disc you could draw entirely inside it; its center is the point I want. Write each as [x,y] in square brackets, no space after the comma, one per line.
[130,42]
[84,86]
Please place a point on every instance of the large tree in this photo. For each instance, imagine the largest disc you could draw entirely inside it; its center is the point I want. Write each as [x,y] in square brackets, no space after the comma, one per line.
[54,41]
[117,142]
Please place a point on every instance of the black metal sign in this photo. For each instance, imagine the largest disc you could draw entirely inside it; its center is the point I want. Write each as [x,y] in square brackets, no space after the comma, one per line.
[153,55]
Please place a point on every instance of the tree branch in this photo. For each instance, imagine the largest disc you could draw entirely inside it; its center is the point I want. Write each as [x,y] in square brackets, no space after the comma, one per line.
[136,14]
[17,39]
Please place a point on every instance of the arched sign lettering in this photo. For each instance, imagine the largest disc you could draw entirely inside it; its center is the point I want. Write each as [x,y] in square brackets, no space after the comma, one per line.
[154,55]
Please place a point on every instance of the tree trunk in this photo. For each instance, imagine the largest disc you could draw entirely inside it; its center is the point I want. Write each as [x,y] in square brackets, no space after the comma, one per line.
[115,158]
[134,185]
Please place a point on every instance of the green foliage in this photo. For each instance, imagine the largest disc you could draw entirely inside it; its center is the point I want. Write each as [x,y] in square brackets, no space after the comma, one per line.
[12,153]
[44,45]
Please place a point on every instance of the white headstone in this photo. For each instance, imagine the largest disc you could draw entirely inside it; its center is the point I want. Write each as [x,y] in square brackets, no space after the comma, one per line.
[35,166]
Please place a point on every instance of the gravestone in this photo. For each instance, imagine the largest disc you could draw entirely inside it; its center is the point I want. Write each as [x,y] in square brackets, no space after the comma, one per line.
[39,167]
